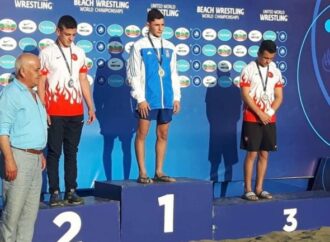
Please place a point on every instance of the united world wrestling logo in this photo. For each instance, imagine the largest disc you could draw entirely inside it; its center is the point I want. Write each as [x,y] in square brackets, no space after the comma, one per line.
[314,83]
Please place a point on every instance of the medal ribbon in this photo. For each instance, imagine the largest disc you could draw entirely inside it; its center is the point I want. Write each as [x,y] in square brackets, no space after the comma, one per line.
[66,61]
[264,83]
[159,58]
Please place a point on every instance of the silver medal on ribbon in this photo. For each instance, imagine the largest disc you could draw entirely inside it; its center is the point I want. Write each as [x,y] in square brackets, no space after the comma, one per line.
[265,97]
[70,83]
[161,72]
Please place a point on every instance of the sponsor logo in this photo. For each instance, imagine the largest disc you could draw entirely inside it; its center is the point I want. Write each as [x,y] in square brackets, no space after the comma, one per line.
[269,35]
[101,80]
[224,81]
[255,35]
[100,29]
[89,63]
[27,44]
[182,65]
[240,50]
[132,31]
[209,34]
[196,65]
[285,80]
[282,66]
[27,26]
[8,43]
[182,33]
[236,81]
[224,50]
[45,42]
[196,49]
[182,49]
[238,66]
[115,80]
[196,34]
[253,50]
[197,81]
[84,29]
[224,35]
[282,51]
[100,46]
[168,33]
[7,25]
[100,63]
[184,81]
[115,30]
[209,66]
[145,31]
[209,81]
[224,66]
[7,61]
[90,79]
[326,61]
[86,45]
[128,46]
[6,78]
[115,64]
[47,27]
[240,35]
[282,36]
[115,47]
[209,50]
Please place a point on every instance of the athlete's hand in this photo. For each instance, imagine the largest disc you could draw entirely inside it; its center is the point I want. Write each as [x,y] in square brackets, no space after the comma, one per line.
[176,107]
[143,109]
[265,118]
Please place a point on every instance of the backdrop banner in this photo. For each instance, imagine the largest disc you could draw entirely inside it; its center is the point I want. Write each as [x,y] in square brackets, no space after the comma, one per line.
[214,41]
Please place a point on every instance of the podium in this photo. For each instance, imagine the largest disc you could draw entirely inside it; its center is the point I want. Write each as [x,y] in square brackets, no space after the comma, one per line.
[236,218]
[162,212]
[96,220]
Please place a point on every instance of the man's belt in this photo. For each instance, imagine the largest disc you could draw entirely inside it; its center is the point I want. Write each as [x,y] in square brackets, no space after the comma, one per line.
[32,151]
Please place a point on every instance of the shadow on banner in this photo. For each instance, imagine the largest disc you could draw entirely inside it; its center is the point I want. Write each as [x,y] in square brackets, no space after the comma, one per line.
[114,108]
[223,107]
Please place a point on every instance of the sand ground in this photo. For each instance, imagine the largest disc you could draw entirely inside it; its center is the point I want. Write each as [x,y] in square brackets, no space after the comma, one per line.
[318,235]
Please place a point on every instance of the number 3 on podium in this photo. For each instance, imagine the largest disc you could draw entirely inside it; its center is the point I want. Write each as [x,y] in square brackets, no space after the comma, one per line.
[291,212]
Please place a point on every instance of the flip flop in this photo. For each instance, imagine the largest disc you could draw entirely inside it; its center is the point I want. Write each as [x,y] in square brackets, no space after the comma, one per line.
[250,196]
[164,179]
[265,195]
[144,180]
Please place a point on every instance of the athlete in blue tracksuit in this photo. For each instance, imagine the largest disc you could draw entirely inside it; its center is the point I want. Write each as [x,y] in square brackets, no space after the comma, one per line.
[155,85]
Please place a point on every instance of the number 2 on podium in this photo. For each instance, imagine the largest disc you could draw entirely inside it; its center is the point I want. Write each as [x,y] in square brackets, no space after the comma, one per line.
[168,202]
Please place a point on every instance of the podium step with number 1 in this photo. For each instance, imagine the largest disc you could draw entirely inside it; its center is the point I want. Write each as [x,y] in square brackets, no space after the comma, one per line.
[178,211]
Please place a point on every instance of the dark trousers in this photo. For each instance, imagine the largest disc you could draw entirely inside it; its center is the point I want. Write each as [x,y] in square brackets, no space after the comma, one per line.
[64,131]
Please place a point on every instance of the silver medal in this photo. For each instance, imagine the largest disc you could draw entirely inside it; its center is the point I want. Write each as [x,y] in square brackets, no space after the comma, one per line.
[70,83]
[265,97]
[161,72]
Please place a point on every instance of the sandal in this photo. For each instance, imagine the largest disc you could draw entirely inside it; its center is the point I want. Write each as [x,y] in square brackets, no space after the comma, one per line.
[250,196]
[144,180]
[163,179]
[265,195]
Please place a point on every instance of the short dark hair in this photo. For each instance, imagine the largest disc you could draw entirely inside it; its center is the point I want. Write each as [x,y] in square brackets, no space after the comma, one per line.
[153,14]
[67,22]
[268,45]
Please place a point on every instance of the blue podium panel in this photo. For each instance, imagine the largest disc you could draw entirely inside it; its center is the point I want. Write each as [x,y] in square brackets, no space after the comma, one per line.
[236,218]
[96,220]
[179,211]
